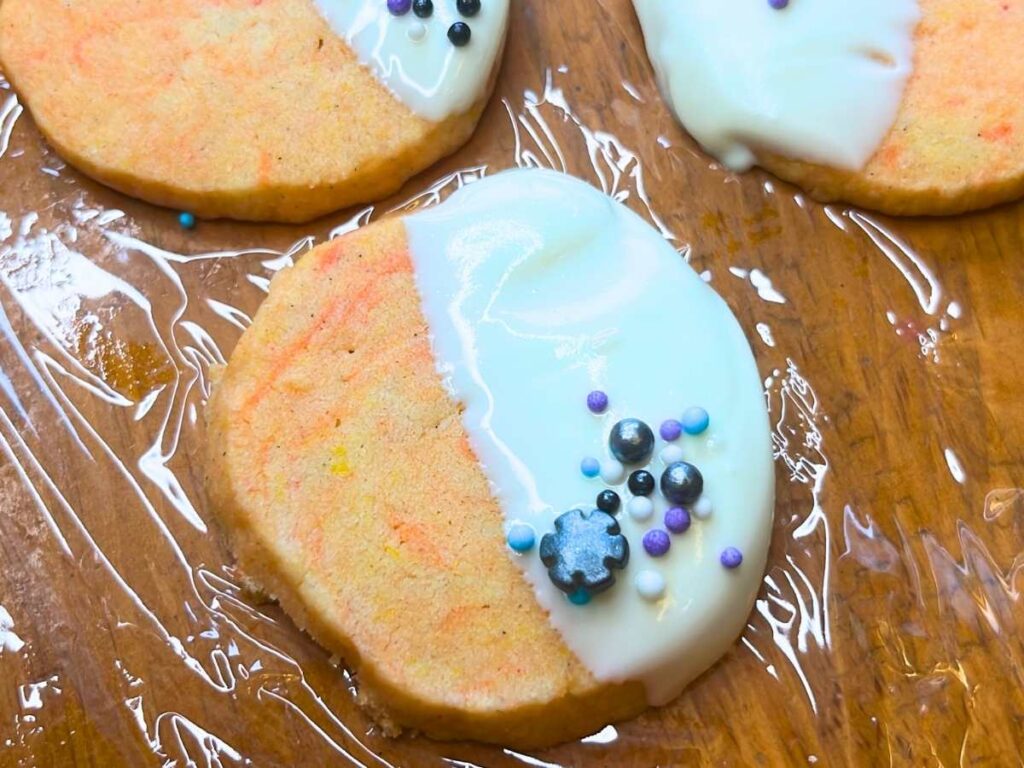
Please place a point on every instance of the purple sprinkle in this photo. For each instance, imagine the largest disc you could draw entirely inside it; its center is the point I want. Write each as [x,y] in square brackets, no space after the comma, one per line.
[597,401]
[656,542]
[671,430]
[677,520]
[778,5]
[731,557]
[399,7]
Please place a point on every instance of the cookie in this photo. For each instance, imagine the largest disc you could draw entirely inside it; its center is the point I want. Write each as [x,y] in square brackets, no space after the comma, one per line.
[520,482]
[281,110]
[902,106]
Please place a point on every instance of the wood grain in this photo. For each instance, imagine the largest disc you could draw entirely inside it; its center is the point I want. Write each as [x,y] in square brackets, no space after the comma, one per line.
[888,627]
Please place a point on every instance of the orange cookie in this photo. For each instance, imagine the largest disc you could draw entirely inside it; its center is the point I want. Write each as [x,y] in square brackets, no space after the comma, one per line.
[909,107]
[347,488]
[281,110]
[394,451]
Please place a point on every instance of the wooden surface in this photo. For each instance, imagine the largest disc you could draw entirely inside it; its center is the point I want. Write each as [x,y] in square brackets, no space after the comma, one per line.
[888,629]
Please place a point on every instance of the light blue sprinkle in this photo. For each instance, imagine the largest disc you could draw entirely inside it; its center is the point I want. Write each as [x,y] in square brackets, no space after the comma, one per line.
[695,420]
[521,537]
[186,220]
[579,597]
[590,467]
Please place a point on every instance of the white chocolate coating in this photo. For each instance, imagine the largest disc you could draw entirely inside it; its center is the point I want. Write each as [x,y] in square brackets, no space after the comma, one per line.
[538,289]
[820,81]
[414,58]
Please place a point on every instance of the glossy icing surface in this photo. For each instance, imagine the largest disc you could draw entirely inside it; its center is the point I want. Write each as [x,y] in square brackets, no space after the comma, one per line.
[819,81]
[538,289]
[414,58]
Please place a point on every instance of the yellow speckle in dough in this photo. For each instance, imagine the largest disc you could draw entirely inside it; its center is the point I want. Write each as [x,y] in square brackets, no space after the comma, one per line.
[339,464]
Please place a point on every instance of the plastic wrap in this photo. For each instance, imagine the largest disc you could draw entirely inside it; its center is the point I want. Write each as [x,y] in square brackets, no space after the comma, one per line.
[887,629]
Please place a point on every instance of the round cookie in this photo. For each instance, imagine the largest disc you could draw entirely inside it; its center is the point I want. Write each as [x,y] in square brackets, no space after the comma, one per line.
[902,106]
[394,451]
[280,110]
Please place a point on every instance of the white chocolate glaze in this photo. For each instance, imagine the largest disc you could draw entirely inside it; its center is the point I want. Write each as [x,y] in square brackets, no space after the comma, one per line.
[821,80]
[414,58]
[538,289]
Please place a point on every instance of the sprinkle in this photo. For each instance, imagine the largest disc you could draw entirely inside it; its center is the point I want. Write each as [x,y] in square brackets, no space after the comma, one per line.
[608,501]
[657,543]
[641,483]
[640,508]
[702,509]
[612,471]
[590,467]
[670,454]
[186,220]
[597,401]
[631,441]
[417,31]
[399,7]
[670,430]
[677,520]
[468,8]
[424,9]
[650,585]
[682,483]
[778,5]
[521,537]
[731,557]
[584,550]
[579,597]
[459,34]
[695,420]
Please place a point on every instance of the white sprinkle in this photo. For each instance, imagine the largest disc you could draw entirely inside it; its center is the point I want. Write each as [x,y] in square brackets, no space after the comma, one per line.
[417,31]
[640,508]
[702,509]
[612,471]
[650,585]
[670,454]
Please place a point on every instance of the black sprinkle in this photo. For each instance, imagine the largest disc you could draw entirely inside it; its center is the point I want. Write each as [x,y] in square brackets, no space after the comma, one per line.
[459,34]
[608,501]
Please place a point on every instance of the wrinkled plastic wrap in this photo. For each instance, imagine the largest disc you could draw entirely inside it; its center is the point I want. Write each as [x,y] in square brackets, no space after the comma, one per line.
[888,627]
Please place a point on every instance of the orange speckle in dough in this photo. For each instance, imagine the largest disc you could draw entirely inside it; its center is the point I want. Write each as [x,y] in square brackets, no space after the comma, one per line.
[266,164]
[419,541]
[330,255]
[466,448]
[999,132]
[315,543]
[343,313]
[890,154]
[458,617]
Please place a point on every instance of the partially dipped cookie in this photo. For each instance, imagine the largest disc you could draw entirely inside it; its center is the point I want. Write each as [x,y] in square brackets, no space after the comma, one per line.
[909,107]
[280,110]
[443,465]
